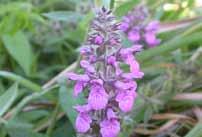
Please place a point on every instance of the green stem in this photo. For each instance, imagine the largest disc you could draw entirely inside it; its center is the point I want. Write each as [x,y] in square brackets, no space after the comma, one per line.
[20,80]
[53,120]
[29,98]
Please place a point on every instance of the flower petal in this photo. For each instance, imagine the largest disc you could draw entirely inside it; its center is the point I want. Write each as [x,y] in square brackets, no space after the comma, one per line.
[126,100]
[83,122]
[98,98]
[83,108]
[111,114]
[87,66]
[78,88]
[74,76]
[134,35]
[109,128]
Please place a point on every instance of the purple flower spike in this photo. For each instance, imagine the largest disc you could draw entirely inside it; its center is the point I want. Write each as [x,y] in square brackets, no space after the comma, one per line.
[104,83]
[126,100]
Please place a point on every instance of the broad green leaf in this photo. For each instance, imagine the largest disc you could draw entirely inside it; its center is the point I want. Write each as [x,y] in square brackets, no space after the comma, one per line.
[125,7]
[196,131]
[20,49]
[7,99]
[68,101]
[68,16]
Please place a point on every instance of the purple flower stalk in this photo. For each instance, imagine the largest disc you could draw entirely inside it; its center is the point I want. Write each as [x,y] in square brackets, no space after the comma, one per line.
[110,90]
[137,30]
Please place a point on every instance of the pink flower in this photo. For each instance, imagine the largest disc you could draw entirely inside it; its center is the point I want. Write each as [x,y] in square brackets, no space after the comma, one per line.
[112,61]
[110,127]
[134,35]
[150,34]
[87,66]
[81,82]
[98,40]
[126,100]
[83,122]
[125,85]
[124,26]
[83,119]
[150,38]
[77,77]
[98,98]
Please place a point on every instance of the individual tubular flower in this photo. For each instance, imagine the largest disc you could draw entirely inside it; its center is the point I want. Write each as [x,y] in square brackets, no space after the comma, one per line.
[136,28]
[109,90]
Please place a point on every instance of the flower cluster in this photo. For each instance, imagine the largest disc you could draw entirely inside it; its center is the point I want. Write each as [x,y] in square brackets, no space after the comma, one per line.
[136,28]
[110,91]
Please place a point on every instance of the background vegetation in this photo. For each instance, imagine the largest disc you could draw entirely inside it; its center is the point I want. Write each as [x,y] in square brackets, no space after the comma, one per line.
[39,40]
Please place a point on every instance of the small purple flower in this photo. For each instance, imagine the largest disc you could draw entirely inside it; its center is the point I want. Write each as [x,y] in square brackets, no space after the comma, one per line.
[126,100]
[112,61]
[105,83]
[150,38]
[98,98]
[134,35]
[81,82]
[124,26]
[110,127]
[87,66]
[83,120]
[98,40]
[125,85]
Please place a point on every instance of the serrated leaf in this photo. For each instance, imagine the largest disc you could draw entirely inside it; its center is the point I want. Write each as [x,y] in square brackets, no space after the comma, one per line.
[20,49]
[67,16]
[67,101]
[7,99]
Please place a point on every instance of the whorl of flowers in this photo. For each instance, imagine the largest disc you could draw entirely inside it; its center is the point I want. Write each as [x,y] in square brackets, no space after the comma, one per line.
[135,26]
[110,90]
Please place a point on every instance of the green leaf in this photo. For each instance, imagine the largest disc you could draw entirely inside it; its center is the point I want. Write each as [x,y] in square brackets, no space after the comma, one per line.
[29,84]
[173,44]
[196,131]
[124,8]
[67,16]
[7,99]
[20,49]
[67,101]
[21,132]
